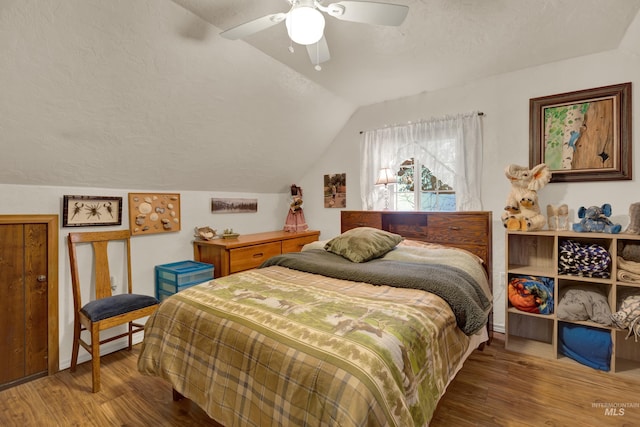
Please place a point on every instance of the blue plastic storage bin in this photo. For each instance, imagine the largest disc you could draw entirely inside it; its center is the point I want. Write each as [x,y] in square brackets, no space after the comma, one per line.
[174,277]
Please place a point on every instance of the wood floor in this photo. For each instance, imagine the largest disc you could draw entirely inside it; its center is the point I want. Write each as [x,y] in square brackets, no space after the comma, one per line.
[495,388]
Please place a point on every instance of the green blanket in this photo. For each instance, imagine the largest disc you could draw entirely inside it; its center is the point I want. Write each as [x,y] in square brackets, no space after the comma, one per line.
[465,297]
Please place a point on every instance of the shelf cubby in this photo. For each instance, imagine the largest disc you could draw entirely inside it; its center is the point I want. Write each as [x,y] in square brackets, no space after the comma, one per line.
[537,254]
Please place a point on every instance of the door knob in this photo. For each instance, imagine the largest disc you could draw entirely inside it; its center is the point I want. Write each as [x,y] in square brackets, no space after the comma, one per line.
[41,278]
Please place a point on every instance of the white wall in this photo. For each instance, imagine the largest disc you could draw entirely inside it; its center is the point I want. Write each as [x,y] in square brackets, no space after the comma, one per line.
[505,101]
[147,251]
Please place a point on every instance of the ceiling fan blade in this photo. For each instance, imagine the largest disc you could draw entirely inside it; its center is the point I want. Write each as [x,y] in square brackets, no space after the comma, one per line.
[318,52]
[252,27]
[369,12]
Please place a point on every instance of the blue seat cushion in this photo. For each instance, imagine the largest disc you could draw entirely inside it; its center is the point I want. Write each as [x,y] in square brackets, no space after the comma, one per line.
[115,305]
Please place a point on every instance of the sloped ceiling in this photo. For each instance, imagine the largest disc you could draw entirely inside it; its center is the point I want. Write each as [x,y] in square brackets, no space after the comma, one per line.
[145,94]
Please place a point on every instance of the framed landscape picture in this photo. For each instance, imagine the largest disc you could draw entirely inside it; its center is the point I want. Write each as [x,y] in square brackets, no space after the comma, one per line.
[583,135]
[233,205]
[83,211]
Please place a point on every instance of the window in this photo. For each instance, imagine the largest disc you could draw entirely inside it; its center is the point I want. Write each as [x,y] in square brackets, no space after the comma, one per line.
[432,194]
[446,153]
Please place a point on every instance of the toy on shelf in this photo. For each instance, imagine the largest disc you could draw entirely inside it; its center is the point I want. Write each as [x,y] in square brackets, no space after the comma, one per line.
[634,219]
[522,211]
[558,217]
[596,219]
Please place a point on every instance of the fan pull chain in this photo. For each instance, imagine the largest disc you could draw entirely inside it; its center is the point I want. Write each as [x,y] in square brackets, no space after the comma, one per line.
[318,67]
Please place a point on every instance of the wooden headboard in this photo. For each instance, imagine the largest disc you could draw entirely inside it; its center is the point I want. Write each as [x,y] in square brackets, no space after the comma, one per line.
[467,230]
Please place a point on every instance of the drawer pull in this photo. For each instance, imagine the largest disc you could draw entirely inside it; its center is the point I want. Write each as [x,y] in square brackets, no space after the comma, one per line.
[258,255]
[453,227]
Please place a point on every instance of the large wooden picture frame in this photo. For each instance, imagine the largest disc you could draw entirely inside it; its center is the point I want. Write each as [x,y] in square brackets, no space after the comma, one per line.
[85,211]
[583,135]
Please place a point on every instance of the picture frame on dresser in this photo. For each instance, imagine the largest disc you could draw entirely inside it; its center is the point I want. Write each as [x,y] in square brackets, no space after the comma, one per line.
[86,211]
[583,135]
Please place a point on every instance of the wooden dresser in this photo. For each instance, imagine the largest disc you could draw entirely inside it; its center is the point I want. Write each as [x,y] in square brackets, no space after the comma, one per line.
[249,250]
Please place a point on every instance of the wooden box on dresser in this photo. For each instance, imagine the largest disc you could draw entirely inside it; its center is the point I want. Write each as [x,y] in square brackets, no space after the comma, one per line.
[536,253]
[249,250]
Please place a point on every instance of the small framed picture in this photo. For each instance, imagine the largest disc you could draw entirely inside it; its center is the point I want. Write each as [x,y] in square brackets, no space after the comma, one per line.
[151,213]
[335,190]
[84,211]
[230,205]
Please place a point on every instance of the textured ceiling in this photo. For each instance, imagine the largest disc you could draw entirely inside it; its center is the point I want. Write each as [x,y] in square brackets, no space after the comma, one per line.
[145,94]
[442,43]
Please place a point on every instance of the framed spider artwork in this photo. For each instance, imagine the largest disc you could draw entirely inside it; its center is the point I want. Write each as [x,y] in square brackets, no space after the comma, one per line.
[84,211]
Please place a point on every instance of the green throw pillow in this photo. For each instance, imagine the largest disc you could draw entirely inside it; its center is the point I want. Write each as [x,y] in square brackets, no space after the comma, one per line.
[363,243]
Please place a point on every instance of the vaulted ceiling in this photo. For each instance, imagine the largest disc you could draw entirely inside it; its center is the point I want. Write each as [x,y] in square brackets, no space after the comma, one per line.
[145,94]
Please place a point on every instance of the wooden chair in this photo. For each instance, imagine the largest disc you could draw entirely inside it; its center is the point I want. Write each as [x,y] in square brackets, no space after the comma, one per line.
[106,310]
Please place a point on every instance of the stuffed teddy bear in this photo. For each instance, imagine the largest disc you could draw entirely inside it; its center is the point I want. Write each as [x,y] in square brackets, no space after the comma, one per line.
[522,211]
[595,219]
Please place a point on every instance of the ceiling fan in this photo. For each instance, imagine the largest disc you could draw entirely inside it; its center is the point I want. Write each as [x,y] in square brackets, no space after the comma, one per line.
[305,22]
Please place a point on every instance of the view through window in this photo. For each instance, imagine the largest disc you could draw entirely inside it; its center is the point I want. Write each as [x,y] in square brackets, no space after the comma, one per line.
[426,193]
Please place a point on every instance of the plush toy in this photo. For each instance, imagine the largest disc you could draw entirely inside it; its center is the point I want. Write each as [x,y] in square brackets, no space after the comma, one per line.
[634,219]
[522,211]
[596,219]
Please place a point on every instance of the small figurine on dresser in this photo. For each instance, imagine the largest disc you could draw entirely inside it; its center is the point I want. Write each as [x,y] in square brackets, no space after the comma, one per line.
[295,217]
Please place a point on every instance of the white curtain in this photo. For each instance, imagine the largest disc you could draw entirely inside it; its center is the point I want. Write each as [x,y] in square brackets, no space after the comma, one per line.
[450,146]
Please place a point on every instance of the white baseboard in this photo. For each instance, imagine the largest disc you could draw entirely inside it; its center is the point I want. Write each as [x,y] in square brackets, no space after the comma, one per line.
[105,349]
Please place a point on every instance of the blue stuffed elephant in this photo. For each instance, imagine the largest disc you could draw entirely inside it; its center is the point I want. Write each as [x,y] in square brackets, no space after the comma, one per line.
[596,219]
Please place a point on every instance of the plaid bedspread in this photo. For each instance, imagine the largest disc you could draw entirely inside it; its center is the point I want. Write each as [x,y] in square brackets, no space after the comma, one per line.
[276,346]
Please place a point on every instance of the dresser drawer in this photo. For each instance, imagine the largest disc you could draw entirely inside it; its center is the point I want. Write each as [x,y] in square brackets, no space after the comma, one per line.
[252,256]
[295,245]
[456,229]
[360,219]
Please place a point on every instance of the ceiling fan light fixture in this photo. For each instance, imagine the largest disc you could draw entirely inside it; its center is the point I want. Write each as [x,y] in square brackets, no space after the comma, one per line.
[305,25]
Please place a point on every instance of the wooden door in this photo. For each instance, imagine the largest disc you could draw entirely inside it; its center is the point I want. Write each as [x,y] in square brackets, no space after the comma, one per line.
[26,285]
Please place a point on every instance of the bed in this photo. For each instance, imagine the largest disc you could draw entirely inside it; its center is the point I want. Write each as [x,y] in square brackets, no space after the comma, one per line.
[328,336]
